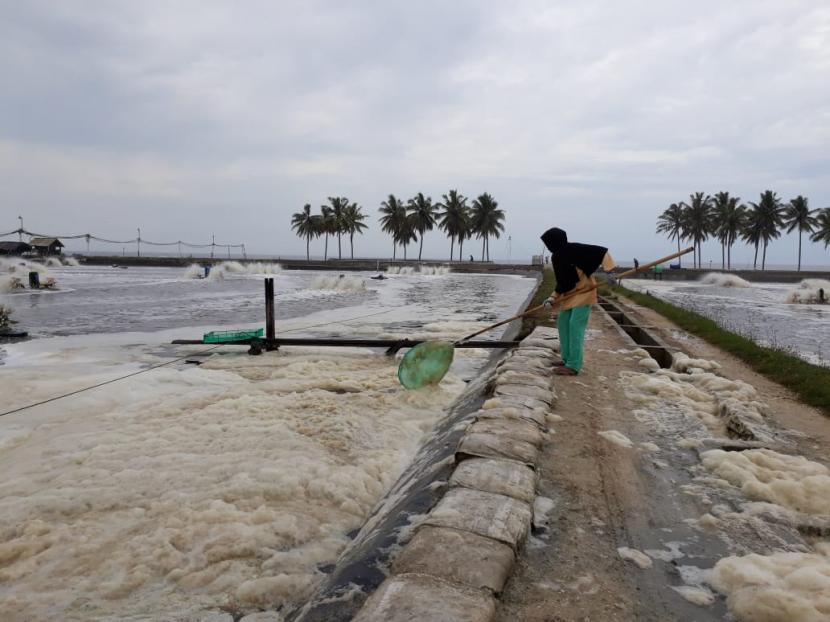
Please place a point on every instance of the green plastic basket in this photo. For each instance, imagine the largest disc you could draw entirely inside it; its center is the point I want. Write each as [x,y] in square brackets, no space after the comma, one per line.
[226,336]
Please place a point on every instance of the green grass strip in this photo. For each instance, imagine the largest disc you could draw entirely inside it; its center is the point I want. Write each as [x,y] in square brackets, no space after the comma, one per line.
[811,383]
[543,291]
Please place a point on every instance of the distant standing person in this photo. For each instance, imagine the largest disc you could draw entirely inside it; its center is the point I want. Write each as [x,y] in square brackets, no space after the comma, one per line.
[636,264]
[574,264]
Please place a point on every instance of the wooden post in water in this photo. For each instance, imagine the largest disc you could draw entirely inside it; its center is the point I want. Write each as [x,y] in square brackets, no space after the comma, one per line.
[270,319]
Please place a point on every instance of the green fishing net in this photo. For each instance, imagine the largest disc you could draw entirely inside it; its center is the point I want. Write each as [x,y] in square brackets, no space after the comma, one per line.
[425,364]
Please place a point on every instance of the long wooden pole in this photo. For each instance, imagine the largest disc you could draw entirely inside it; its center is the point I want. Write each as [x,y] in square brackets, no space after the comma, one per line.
[569,295]
[633,271]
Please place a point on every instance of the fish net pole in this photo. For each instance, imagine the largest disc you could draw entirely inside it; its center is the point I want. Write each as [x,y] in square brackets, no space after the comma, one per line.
[571,294]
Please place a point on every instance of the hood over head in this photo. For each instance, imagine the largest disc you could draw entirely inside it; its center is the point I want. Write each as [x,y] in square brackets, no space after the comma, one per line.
[566,257]
[555,239]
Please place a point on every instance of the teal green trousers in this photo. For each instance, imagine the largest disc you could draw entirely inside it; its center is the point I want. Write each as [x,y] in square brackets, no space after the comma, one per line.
[572,325]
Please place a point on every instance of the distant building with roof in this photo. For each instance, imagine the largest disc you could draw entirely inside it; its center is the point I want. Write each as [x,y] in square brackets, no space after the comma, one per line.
[46,246]
[14,248]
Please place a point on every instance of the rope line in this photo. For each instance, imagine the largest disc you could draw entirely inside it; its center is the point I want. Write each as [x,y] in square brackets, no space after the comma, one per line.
[141,371]
[101,384]
[89,237]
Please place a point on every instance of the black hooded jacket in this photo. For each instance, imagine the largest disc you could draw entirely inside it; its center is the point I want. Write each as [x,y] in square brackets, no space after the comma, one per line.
[567,256]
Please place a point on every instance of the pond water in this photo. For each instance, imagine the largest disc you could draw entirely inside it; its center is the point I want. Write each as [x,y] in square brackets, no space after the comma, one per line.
[760,311]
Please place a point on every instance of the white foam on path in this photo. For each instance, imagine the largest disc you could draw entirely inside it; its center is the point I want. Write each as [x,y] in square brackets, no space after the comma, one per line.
[617,438]
[793,482]
[780,587]
[633,555]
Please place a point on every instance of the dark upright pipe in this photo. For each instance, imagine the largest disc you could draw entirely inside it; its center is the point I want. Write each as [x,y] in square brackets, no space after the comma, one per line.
[270,320]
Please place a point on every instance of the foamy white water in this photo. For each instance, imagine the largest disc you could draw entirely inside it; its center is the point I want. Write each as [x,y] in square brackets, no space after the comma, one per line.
[183,489]
[761,311]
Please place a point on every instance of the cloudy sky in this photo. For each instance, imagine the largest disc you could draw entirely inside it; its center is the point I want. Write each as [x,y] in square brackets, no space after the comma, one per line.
[192,118]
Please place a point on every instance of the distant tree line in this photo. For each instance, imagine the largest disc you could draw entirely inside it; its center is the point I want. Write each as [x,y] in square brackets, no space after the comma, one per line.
[338,218]
[728,220]
[406,222]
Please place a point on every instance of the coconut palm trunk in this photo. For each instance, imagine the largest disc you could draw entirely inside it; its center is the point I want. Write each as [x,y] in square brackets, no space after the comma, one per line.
[351,245]
[799,250]
[421,249]
[723,255]
[339,253]
[755,261]
[452,246]
[483,246]
[764,257]
[307,251]
[326,251]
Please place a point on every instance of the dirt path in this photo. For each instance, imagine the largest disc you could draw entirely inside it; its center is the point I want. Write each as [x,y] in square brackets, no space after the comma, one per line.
[605,496]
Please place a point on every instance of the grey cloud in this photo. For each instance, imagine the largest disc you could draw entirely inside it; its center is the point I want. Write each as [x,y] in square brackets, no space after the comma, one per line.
[202,115]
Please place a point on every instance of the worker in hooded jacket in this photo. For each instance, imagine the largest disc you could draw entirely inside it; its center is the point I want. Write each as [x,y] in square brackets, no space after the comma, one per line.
[573,265]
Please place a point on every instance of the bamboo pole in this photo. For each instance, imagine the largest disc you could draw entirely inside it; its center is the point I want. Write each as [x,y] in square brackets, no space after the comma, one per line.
[571,294]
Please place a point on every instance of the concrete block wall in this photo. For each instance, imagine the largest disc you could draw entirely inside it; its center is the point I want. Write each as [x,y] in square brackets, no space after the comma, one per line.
[461,554]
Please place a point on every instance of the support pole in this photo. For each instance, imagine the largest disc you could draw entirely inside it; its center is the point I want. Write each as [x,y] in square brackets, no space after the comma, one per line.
[270,320]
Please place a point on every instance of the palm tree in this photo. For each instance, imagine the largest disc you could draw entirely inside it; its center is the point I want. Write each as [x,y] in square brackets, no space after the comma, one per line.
[306,226]
[751,233]
[423,214]
[406,232]
[454,219]
[822,229]
[671,222]
[769,217]
[338,207]
[728,218]
[353,223]
[486,220]
[697,221]
[393,219]
[327,225]
[798,215]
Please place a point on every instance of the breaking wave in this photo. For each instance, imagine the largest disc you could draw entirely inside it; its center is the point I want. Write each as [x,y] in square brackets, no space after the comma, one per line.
[256,267]
[424,270]
[21,266]
[219,271]
[11,283]
[809,292]
[194,271]
[338,283]
[405,270]
[719,279]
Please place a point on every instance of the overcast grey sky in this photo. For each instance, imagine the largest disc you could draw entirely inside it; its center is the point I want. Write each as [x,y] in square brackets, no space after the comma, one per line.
[190,118]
